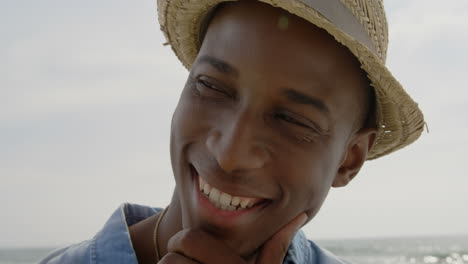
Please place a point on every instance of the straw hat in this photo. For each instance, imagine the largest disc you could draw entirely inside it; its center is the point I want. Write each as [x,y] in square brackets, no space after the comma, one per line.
[360,25]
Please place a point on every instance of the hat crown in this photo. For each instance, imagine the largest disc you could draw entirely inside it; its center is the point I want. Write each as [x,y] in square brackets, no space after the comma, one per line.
[371,15]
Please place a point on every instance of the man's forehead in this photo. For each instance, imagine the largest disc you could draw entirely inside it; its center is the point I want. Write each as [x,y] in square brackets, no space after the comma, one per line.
[252,21]
[257,33]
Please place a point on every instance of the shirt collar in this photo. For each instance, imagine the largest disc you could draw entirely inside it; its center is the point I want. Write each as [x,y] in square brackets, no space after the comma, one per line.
[113,243]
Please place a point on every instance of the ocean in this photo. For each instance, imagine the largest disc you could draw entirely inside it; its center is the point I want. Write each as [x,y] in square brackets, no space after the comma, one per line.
[416,250]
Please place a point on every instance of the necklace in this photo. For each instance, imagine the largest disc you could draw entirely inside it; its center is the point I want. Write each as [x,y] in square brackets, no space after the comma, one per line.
[155,235]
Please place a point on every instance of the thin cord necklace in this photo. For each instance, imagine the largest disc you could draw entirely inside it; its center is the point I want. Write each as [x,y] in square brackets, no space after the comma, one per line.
[155,235]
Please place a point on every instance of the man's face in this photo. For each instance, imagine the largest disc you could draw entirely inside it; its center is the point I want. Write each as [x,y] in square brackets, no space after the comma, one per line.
[267,113]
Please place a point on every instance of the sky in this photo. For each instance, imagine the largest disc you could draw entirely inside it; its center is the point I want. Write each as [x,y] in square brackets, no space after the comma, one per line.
[87,91]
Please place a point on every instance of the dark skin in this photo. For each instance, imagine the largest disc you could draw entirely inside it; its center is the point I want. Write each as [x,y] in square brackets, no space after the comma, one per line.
[269,112]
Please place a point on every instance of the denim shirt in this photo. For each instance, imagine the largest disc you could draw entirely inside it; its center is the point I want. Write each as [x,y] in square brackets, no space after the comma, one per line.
[112,244]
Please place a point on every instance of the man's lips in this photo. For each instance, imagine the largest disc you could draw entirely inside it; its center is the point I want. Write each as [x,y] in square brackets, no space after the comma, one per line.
[223,199]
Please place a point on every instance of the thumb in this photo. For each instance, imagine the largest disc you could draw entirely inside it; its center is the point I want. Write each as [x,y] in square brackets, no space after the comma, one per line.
[275,248]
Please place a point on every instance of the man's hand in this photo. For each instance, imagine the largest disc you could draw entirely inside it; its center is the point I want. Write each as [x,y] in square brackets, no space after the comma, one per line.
[275,249]
[192,246]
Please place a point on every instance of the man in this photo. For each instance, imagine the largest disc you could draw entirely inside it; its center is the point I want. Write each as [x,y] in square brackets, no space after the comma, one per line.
[284,100]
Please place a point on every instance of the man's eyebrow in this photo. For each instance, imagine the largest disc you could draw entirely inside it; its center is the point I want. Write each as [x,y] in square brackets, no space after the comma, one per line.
[219,64]
[301,98]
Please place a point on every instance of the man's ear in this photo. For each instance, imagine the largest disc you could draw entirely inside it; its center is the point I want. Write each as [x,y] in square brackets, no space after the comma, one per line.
[355,156]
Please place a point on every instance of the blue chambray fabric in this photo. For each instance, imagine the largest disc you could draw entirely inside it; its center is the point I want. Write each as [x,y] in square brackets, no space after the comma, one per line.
[112,244]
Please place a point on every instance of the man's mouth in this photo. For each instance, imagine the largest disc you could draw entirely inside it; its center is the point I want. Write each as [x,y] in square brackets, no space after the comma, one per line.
[226,201]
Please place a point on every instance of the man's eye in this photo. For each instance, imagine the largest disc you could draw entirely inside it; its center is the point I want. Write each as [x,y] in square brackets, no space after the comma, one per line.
[207,88]
[303,129]
[291,120]
[205,84]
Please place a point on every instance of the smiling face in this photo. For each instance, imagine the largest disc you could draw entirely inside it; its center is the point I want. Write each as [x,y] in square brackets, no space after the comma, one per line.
[266,121]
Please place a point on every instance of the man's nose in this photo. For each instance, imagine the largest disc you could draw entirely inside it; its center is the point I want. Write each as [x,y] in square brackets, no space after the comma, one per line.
[237,146]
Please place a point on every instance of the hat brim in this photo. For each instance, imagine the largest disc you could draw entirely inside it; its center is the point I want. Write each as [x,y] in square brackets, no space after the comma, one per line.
[399,120]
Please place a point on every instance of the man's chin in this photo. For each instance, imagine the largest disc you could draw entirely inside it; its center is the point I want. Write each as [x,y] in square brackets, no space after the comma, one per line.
[252,258]
[231,238]
[247,252]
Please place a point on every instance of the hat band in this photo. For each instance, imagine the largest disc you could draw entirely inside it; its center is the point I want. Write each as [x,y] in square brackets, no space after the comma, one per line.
[338,14]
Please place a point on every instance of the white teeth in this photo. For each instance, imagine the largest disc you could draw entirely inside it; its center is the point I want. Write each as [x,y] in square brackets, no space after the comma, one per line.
[206,188]
[235,201]
[244,202]
[224,200]
[201,183]
[214,195]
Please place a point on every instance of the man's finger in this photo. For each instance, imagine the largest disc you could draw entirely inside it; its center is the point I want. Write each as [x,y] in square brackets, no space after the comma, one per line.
[174,258]
[275,248]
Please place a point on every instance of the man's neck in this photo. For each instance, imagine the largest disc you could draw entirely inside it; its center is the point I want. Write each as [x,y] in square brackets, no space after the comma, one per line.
[142,232]
[170,225]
